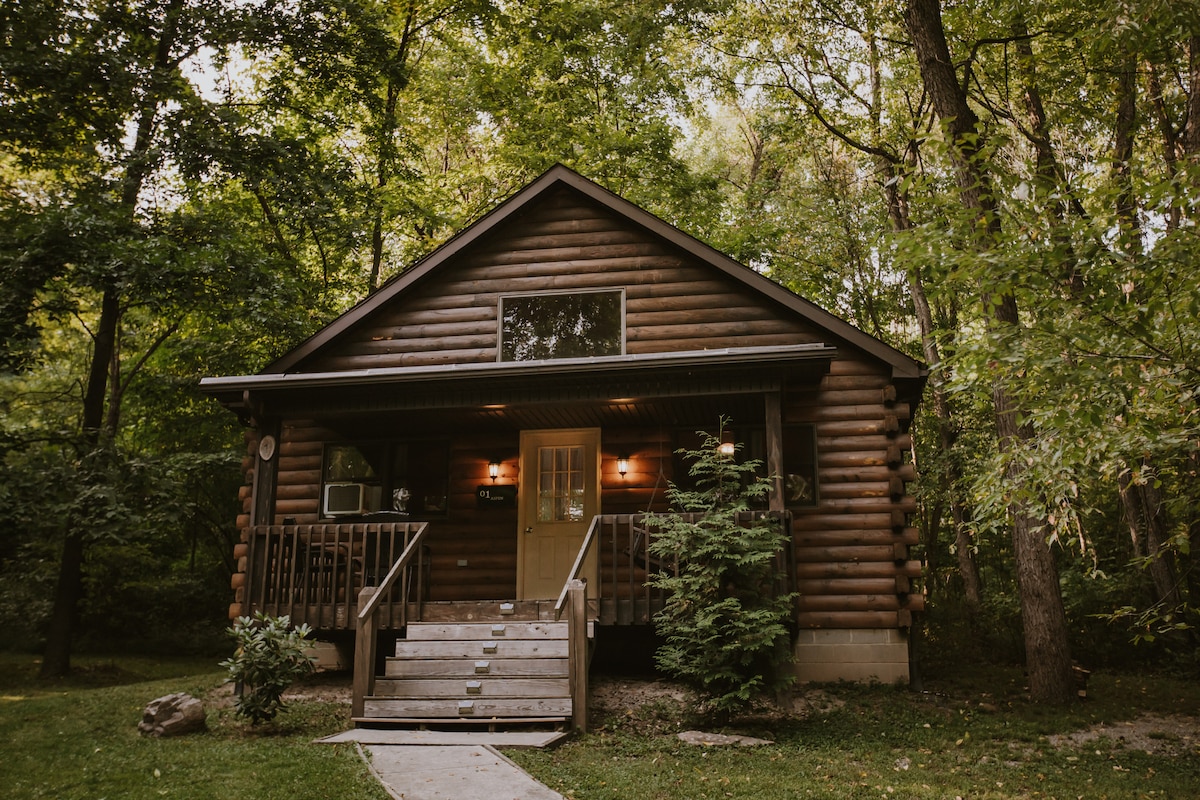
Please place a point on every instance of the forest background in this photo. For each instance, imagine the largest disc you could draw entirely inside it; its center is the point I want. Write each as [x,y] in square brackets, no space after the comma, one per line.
[1006,190]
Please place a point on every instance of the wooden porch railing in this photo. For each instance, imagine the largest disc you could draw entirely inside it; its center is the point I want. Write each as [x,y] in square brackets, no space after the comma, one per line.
[371,600]
[573,600]
[626,565]
[314,573]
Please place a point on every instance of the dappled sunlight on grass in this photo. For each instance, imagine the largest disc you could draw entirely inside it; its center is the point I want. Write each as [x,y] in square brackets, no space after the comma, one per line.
[77,738]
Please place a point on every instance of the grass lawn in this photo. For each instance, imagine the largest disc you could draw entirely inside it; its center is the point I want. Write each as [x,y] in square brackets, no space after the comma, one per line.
[973,736]
[976,737]
[78,738]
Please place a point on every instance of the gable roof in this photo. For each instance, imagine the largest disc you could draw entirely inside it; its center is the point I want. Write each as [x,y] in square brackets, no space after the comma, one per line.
[902,366]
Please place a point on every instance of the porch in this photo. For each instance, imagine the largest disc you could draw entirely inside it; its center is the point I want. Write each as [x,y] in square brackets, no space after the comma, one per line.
[486,662]
[314,573]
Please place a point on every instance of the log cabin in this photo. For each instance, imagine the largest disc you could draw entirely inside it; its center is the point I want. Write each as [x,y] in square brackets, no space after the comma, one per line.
[462,462]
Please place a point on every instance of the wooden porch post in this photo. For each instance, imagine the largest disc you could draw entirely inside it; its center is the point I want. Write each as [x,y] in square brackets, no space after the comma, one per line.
[266,475]
[774,432]
[255,570]
[577,643]
[365,636]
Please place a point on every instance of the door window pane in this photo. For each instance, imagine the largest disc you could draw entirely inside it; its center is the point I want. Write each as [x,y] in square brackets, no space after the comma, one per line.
[560,484]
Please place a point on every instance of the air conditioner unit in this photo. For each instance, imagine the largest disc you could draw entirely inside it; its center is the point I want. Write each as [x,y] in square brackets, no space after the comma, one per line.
[344,499]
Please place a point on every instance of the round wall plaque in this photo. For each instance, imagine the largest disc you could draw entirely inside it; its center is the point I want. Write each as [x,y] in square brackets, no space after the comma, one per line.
[266,448]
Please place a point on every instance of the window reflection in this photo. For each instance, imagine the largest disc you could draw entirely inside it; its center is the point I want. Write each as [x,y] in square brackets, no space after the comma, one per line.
[539,327]
[560,484]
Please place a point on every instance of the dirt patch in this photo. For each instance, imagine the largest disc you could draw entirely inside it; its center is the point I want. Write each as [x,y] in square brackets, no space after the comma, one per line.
[322,687]
[649,705]
[1154,734]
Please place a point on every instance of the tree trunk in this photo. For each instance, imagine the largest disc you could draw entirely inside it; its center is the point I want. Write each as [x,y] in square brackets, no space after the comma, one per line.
[1191,131]
[898,216]
[1123,140]
[1043,617]
[396,69]
[964,547]
[1143,511]
[1168,136]
[56,660]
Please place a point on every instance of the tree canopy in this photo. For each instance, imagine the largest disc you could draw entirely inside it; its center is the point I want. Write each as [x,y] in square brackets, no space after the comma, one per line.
[1005,190]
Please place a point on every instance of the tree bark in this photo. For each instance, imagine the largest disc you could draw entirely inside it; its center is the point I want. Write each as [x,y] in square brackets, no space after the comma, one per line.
[898,215]
[1123,136]
[56,659]
[964,548]
[1043,618]
[1191,131]
[386,157]
[1143,510]
[1168,137]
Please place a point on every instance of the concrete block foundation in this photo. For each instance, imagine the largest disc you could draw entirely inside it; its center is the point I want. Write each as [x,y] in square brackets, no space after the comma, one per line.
[848,654]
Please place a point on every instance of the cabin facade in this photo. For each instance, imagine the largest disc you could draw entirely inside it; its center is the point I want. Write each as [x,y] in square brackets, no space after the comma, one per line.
[490,426]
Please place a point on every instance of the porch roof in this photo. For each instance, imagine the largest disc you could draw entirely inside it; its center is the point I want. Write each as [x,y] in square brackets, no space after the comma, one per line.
[731,371]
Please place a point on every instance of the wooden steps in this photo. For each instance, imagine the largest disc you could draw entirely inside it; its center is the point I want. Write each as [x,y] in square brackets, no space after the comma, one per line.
[504,672]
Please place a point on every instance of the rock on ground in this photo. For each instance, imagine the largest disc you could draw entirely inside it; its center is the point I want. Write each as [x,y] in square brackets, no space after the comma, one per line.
[720,739]
[173,715]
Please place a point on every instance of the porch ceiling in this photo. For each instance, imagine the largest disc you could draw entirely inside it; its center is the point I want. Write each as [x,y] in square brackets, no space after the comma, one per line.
[633,413]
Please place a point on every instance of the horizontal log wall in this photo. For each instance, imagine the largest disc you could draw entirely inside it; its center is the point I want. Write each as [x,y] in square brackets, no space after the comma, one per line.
[859,529]
[240,550]
[673,302]
[849,547]
[852,547]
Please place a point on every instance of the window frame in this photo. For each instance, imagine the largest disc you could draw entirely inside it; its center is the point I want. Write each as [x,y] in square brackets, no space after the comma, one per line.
[386,477]
[621,322]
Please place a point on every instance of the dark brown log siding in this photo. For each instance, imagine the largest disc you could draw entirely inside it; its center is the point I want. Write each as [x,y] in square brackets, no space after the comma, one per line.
[853,544]
[673,302]
[851,548]
[856,532]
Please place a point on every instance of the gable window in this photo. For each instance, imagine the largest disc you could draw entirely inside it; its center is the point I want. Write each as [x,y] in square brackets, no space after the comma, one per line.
[537,327]
[405,477]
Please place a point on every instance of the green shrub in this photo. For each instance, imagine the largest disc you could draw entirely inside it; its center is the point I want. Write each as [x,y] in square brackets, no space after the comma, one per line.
[724,626]
[270,655]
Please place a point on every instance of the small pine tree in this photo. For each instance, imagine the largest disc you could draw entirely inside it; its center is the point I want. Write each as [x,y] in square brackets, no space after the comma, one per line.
[725,630]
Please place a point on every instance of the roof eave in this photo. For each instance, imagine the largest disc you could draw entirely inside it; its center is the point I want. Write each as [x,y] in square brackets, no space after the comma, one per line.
[232,390]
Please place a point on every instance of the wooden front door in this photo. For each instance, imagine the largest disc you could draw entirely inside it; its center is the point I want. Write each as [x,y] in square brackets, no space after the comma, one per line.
[559,495]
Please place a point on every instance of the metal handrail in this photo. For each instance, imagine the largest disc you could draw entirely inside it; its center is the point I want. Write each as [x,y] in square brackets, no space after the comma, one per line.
[589,539]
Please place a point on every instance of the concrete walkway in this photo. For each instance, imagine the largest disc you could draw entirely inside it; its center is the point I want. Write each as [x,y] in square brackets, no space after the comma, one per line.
[452,772]
[432,765]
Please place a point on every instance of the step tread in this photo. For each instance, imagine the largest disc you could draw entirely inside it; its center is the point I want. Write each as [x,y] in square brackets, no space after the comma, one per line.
[484,666]
[482,648]
[481,708]
[508,630]
[466,689]
[456,721]
[486,610]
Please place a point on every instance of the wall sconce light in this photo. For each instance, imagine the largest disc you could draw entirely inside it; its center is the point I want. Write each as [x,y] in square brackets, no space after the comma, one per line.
[623,465]
[493,470]
[727,448]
